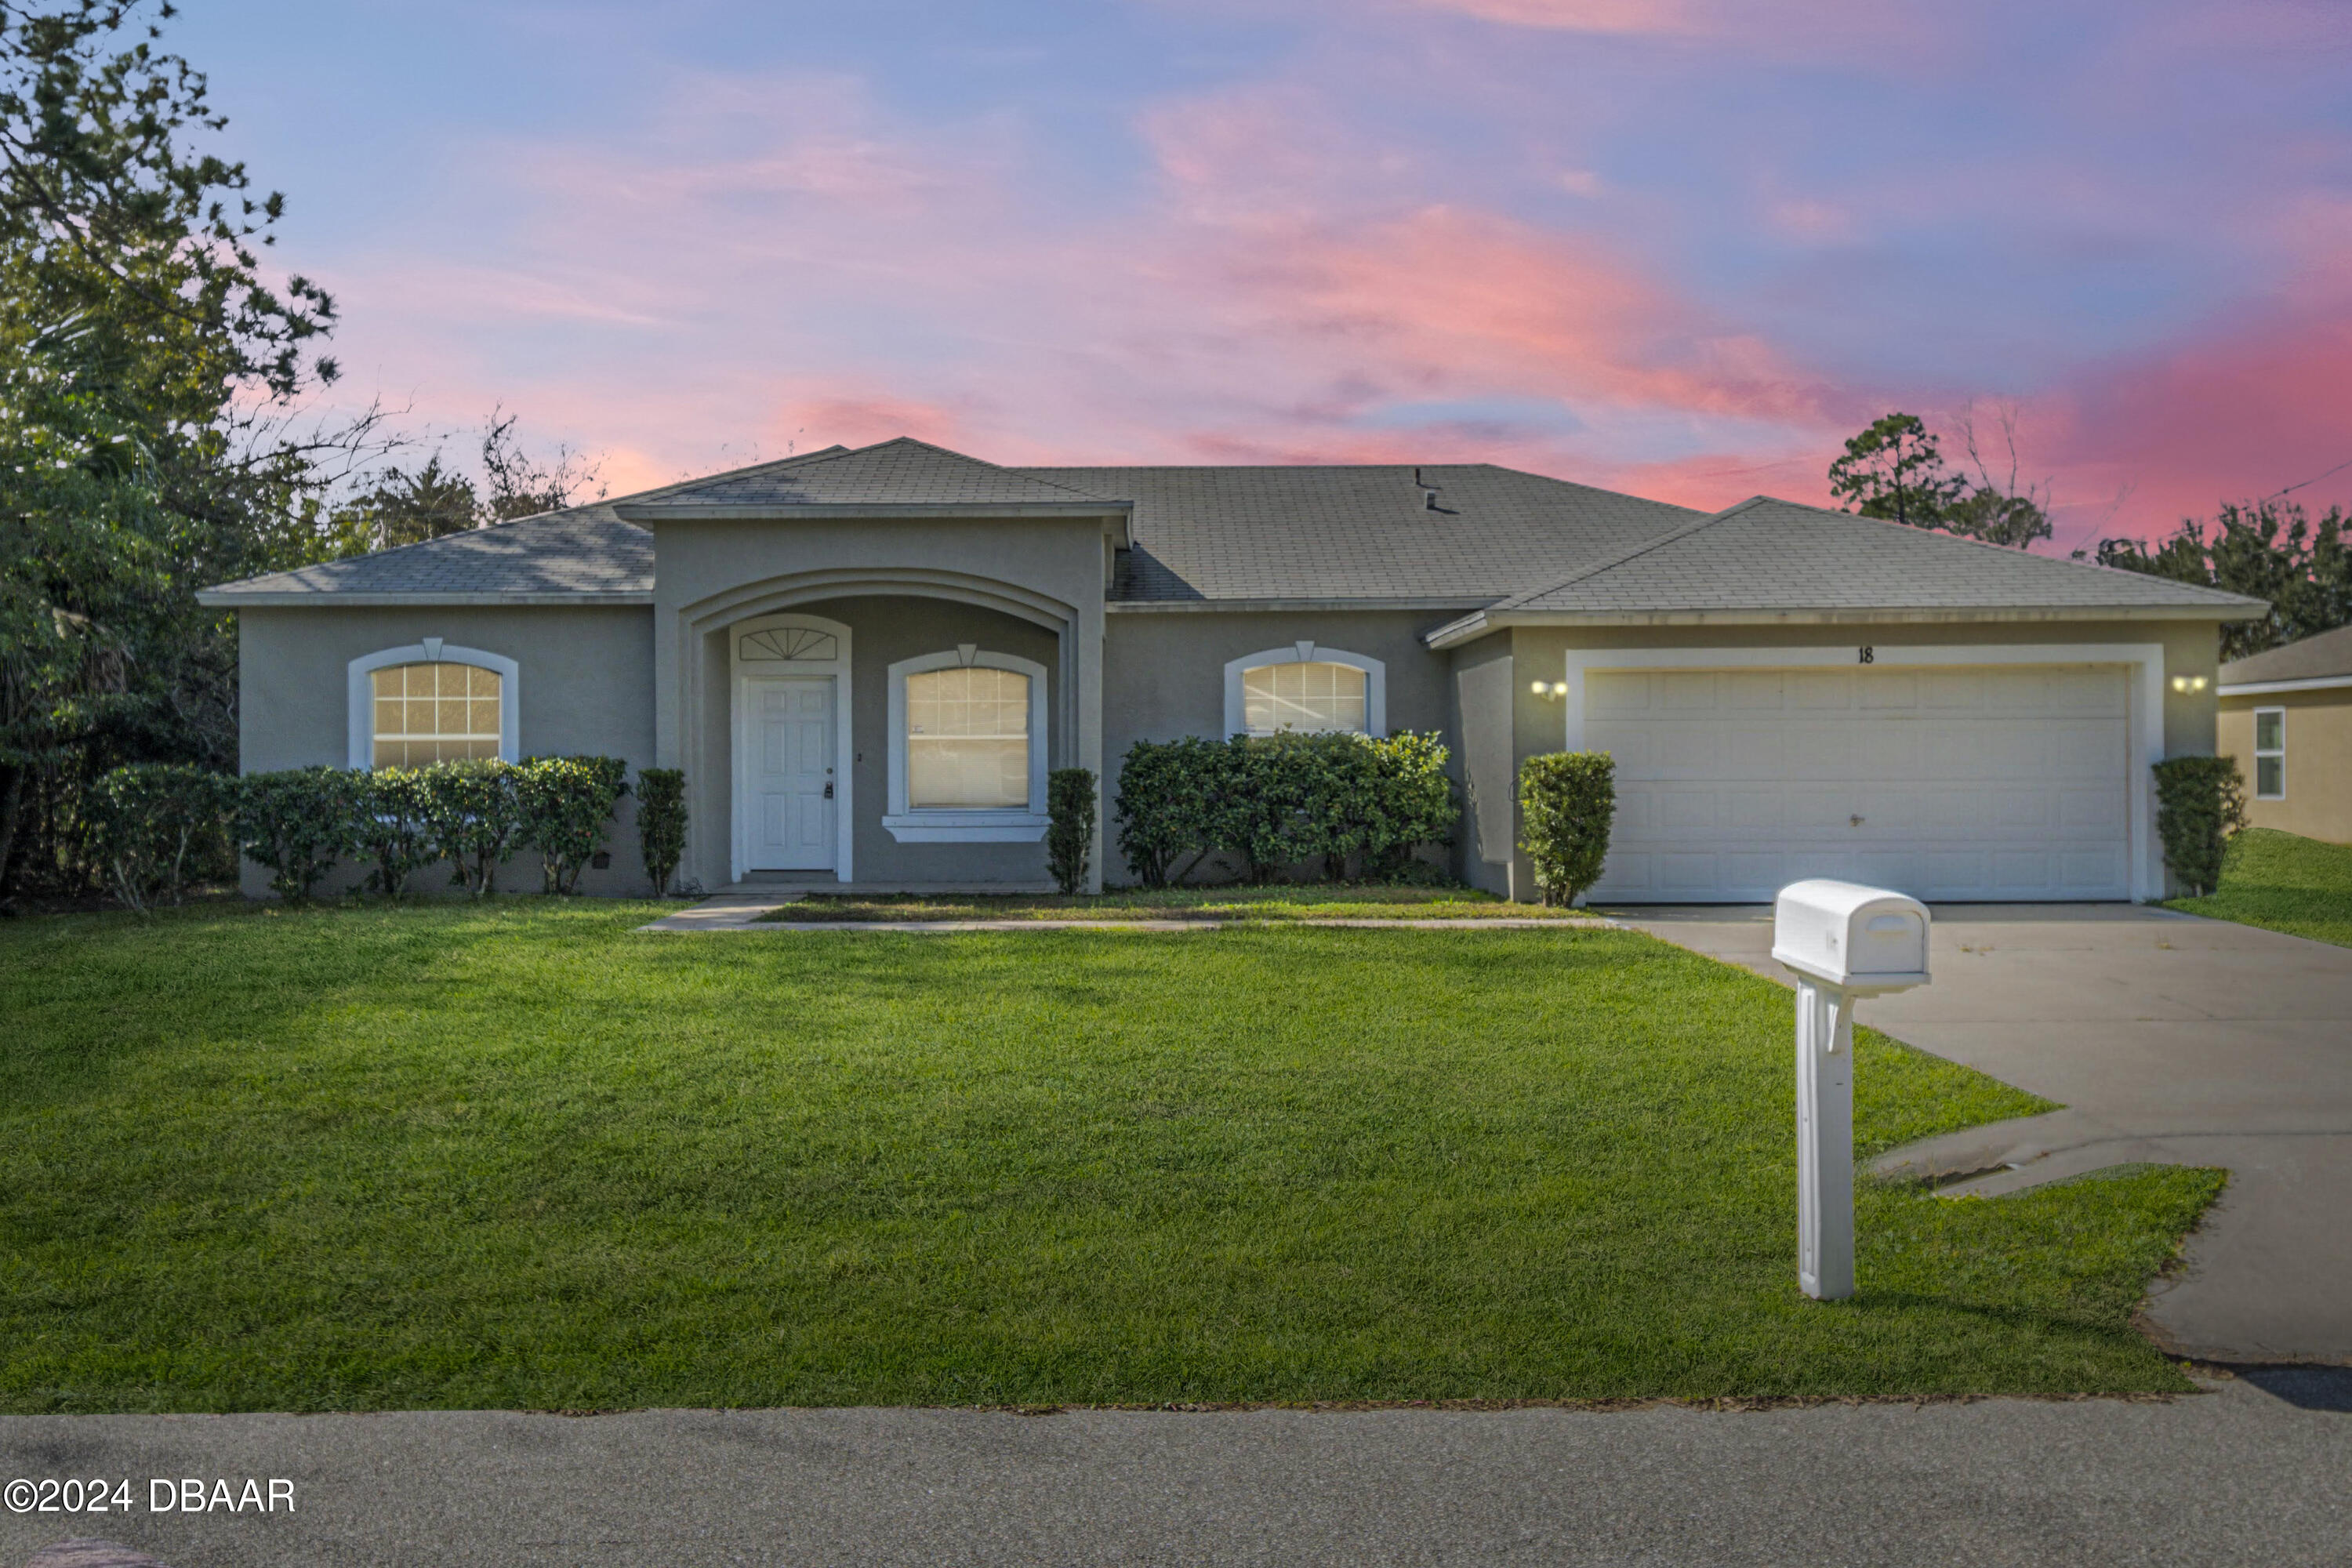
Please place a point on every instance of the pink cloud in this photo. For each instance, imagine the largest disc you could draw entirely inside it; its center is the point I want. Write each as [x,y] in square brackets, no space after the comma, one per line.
[779,264]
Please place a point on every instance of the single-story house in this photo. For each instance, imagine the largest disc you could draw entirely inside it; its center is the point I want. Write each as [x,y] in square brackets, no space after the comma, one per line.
[866,660]
[2286,716]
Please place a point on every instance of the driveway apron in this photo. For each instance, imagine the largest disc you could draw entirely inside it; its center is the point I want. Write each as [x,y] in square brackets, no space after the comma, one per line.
[2168,1038]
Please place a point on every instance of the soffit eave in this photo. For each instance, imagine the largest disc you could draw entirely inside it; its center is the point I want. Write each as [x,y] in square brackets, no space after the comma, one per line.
[2279,688]
[652,516]
[1281,606]
[331,598]
[1477,626]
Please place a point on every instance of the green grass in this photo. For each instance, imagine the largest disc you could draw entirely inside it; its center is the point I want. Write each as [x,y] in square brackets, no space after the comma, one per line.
[2279,881]
[520,1156]
[1275,902]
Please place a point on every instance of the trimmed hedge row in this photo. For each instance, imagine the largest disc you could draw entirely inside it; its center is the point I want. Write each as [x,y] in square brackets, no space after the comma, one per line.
[1273,801]
[299,822]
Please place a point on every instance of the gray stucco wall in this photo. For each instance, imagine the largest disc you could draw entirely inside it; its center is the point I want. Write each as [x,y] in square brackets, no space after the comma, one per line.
[883,631]
[1482,679]
[711,574]
[584,685]
[1164,675]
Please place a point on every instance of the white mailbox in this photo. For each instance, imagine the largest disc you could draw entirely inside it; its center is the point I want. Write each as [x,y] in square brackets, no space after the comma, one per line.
[1845,942]
[1865,941]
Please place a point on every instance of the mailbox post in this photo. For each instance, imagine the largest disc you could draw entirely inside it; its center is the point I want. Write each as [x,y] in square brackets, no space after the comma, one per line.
[1845,942]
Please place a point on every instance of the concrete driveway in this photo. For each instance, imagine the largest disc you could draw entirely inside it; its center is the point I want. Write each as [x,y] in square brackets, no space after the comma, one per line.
[2168,1038]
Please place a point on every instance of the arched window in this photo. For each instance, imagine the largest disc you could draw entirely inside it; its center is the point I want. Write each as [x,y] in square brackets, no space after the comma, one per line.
[1304,688]
[968,740]
[967,748]
[431,703]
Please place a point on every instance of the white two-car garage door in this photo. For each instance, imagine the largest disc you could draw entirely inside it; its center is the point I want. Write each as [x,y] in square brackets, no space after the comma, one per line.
[1955,783]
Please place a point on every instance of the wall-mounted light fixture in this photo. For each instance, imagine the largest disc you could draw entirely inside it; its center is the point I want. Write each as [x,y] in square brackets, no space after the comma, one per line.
[1553,689]
[2189,683]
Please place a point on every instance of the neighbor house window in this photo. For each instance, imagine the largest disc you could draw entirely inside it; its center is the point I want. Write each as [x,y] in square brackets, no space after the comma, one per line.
[434,713]
[2270,753]
[431,702]
[1306,690]
[967,739]
[968,748]
[1303,696]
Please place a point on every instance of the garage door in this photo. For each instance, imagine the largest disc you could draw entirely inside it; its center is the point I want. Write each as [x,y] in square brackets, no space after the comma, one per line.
[1993,782]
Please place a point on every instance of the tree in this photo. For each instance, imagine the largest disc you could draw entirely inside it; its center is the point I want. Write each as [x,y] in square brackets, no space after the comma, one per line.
[2267,549]
[1896,469]
[408,507]
[405,508]
[520,487]
[148,369]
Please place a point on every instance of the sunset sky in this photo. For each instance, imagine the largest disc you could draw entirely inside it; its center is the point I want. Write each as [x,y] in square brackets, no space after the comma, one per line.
[1681,247]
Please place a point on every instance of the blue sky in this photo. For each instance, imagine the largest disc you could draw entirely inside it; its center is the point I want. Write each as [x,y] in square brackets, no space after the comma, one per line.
[1679,247]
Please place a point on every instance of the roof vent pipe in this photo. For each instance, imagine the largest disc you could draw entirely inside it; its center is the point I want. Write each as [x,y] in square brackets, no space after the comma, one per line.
[1429,495]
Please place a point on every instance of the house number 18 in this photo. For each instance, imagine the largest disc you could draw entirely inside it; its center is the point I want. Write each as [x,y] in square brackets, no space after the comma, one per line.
[1869,655]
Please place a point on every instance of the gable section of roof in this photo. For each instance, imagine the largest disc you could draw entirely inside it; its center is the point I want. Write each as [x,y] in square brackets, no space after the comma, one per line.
[581,554]
[2319,656]
[1765,555]
[904,472]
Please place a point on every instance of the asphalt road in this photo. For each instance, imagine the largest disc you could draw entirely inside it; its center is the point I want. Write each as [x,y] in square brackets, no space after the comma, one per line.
[2236,1475]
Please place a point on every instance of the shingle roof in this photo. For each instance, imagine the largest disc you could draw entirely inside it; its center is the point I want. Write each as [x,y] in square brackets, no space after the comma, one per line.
[1361,532]
[1443,535]
[904,472]
[580,551]
[2313,658]
[1767,554]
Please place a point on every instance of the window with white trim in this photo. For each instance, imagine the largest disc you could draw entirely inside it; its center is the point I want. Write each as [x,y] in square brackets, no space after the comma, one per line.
[1314,696]
[968,748]
[967,739]
[2270,753]
[1306,690]
[431,701]
[436,713]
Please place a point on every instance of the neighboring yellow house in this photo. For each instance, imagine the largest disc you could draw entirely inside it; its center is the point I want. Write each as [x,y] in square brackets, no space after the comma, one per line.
[2286,716]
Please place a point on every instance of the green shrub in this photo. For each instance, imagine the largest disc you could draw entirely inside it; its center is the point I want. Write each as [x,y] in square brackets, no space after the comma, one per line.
[1161,805]
[297,823]
[1273,801]
[567,812]
[151,825]
[1070,833]
[1416,803]
[661,821]
[391,826]
[1567,801]
[2200,802]
[475,817]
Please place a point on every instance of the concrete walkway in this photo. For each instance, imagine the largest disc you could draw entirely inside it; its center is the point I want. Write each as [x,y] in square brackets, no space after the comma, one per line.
[2251,1473]
[748,909]
[2168,1038]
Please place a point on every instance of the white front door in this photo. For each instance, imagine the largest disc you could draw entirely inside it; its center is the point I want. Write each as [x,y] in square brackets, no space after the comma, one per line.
[1988,782]
[792,773]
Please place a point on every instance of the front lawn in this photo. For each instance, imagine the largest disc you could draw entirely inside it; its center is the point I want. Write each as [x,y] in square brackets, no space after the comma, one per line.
[519,1155]
[1276,902]
[2279,881]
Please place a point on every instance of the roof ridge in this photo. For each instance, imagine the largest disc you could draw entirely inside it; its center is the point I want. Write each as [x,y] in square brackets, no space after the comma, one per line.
[983,462]
[2008,551]
[1633,552]
[764,465]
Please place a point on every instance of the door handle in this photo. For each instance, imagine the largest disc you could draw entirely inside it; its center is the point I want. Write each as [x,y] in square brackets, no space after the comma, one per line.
[828,789]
